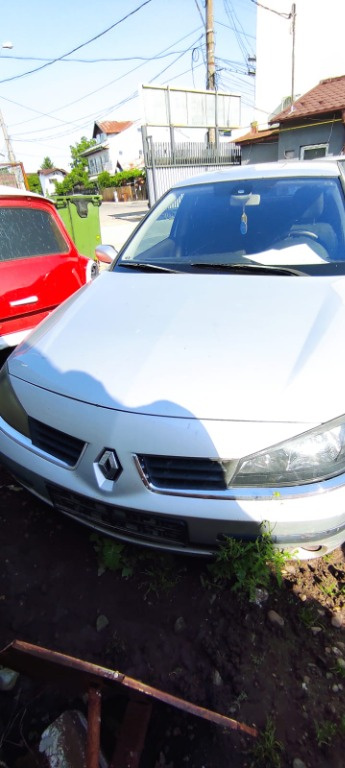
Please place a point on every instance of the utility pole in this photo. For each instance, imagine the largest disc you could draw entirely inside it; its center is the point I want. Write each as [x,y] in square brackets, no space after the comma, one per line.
[10,153]
[211,68]
[293,32]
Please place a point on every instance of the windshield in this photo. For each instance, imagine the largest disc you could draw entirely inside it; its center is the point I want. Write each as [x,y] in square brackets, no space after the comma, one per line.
[28,231]
[249,225]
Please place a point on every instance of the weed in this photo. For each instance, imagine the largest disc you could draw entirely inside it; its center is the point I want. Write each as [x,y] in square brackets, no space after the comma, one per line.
[160,574]
[266,751]
[307,615]
[325,732]
[342,725]
[339,670]
[330,588]
[112,556]
[243,696]
[248,564]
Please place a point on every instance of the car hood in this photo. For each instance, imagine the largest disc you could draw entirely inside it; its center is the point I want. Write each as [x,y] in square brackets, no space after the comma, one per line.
[219,346]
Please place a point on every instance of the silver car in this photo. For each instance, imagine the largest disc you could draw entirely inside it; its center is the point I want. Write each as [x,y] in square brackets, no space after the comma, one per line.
[196,389]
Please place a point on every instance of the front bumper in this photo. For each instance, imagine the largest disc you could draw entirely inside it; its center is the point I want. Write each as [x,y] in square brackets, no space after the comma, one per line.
[302,520]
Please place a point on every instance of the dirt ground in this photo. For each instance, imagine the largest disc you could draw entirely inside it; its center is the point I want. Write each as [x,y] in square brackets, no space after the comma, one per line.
[163,621]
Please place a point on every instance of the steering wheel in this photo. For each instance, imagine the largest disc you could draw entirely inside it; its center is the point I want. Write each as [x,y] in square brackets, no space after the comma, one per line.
[303,233]
[295,234]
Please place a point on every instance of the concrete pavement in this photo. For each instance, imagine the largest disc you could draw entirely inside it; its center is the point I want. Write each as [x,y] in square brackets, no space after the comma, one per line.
[118,220]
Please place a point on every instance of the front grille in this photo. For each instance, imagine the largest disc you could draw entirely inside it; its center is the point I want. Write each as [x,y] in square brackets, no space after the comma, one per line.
[58,444]
[139,525]
[181,473]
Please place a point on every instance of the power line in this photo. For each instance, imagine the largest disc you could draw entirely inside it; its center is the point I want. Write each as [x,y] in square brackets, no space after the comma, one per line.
[228,26]
[86,61]
[102,87]
[78,47]
[283,15]
[107,110]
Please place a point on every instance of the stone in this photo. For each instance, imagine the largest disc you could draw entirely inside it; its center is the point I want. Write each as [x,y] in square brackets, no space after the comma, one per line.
[336,651]
[341,663]
[216,678]
[338,620]
[260,597]
[8,679]
[180,625]
[315,630]
[298,763]
[64,742]
[102,622]
[274,618]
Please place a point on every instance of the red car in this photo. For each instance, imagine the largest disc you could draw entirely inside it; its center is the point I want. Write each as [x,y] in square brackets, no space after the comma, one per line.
[39,263]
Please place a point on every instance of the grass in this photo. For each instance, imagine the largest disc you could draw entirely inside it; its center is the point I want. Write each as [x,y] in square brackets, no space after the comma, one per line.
[160,574]
[157,570]
[325,732]
[267,749]
[248,564]
[112,556]
[308,615]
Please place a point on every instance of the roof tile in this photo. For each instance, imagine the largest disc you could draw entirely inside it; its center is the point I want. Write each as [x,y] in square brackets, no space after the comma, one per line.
[328,96]
[114,126]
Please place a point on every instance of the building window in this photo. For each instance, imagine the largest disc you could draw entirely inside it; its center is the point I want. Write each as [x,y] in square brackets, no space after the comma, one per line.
[313,151]
[289,154]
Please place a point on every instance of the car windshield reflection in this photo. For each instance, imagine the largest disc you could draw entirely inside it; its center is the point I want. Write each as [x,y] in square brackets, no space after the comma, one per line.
[273,222]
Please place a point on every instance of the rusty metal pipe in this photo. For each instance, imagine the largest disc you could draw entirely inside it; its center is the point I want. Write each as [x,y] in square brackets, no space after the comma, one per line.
[93,727]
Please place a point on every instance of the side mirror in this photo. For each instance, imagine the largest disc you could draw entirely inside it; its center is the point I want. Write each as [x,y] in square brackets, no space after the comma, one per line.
[105,253]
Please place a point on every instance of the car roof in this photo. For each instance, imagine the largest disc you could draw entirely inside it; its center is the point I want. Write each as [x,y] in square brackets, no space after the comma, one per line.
[306,168]
[14,192]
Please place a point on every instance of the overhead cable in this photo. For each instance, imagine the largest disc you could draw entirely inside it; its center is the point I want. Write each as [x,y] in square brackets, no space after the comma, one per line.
[78,47]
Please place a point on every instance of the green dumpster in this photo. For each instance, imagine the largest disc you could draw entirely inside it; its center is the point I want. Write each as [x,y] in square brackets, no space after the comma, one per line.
[80,214]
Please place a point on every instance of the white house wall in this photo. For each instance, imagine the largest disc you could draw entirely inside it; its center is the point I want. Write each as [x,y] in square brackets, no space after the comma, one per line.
[125,147]
[47,183]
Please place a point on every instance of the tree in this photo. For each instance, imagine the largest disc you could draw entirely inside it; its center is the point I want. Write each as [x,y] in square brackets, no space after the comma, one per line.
[47,163]
[78,178]
[34,183]
[77,149]
[75,181]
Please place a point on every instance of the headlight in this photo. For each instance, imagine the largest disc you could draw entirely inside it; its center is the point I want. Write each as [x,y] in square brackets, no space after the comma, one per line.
[308,458]
[10,408]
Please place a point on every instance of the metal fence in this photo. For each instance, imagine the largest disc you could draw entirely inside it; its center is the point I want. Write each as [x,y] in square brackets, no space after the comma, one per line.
[192,153]
[167,164]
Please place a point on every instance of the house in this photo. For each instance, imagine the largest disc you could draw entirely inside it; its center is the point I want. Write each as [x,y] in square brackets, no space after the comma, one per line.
[118,147]
[48,176]
[258,146]
[313,126]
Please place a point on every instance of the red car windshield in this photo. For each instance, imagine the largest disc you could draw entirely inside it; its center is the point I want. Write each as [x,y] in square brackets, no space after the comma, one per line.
[27,232]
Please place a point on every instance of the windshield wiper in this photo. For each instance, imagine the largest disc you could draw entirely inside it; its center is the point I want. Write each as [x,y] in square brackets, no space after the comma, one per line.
[143,267]
[270,269]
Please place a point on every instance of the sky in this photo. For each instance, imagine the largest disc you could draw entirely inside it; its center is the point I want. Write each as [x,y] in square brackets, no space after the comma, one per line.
[113,48]
[319,48]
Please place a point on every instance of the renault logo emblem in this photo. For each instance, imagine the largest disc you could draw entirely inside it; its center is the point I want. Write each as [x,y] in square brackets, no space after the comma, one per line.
[109,464]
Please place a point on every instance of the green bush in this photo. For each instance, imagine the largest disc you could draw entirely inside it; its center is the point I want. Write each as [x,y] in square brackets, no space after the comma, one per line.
[120,179]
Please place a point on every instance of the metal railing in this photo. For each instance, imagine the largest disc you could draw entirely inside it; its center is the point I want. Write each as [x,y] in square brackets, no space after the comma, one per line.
[192,153]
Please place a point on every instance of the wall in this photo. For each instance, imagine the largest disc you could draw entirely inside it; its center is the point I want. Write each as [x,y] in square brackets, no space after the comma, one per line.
[126,147]
[259,153]
[332,134]
[48,187]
